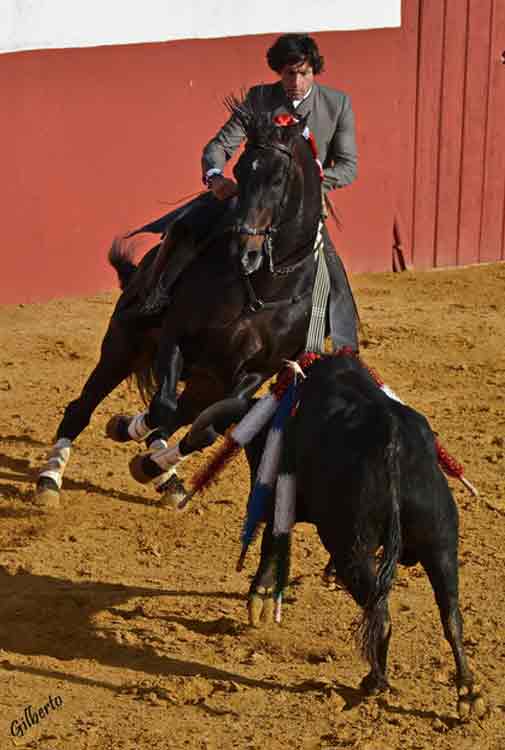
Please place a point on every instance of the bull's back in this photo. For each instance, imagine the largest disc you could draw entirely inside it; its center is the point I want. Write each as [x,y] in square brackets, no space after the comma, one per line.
[354,447]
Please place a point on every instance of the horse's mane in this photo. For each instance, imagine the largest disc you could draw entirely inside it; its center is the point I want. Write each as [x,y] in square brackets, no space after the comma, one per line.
[256,122]
[240,107]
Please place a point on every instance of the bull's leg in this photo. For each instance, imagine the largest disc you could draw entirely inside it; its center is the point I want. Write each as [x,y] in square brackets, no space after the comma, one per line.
[117,358]
[442,570]
[260,601]
[360,581]
[265,593]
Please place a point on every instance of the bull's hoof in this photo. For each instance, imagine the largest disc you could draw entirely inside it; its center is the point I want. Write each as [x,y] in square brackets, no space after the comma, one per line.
[144,469]
[117,428]
[172,494]
[471,703]
[47,494]
[330,579]
[261,607]
[372,684]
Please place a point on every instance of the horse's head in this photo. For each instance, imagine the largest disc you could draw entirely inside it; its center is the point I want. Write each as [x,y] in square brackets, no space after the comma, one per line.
[270,176]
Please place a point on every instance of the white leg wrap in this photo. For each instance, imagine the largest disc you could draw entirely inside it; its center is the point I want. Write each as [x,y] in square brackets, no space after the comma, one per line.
[137,429]
[158,445]
[164,477]
[57,461]
[167,457]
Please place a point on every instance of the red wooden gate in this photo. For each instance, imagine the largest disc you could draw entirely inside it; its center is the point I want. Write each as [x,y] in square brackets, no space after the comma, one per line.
[452,146]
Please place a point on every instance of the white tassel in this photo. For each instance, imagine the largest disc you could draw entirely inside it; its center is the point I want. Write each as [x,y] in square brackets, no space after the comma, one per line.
[297,370]
[255,419]
[389,392]
[57,461]
[269,465]
[285,504]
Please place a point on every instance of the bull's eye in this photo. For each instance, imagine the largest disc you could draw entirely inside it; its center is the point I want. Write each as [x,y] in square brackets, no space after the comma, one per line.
[255,165]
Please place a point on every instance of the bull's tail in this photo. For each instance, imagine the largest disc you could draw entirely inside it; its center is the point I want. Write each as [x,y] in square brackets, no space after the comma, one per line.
[374,625]
[121,259]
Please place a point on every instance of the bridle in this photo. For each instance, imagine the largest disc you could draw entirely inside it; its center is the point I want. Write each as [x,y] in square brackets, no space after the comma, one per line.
[268,233]
[271,230]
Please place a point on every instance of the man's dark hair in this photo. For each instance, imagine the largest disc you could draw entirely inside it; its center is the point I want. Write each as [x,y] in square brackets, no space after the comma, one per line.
[293,49]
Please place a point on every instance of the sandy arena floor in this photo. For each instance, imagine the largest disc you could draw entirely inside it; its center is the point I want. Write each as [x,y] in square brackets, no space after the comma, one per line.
[135,623]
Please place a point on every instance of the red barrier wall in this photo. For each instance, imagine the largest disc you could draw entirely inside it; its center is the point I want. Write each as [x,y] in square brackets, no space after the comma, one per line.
[99,140]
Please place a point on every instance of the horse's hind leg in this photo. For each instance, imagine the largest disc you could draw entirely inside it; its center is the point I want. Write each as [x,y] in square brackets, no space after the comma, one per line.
[118,354]
[442,569]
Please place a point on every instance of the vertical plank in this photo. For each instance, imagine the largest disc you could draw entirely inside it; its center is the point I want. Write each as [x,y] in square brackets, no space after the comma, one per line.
[405,157]
[491,235]
[474,130]
[453,77]
[427,135]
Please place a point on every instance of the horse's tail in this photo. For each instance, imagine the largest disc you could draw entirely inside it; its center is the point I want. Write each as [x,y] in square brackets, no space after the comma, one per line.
[375,621]
[120,257]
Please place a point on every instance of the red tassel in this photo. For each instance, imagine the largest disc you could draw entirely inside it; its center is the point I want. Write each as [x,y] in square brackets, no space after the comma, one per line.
[447,462]
[210,471]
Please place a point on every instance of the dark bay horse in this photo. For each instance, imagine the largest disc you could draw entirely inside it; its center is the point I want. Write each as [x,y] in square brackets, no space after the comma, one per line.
[239,309]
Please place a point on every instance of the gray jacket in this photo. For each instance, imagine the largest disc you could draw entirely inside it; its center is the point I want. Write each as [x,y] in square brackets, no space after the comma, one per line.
[331,120]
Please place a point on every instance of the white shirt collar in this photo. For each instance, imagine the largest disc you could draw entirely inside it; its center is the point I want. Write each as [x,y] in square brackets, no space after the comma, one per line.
[297,102]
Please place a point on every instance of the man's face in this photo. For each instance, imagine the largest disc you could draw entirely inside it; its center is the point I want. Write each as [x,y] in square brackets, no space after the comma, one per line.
[297,79]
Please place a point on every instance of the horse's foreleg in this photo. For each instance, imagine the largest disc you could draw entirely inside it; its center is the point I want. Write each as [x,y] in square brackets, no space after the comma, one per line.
[165,415]
[118,354]
[211,423]
[162,416]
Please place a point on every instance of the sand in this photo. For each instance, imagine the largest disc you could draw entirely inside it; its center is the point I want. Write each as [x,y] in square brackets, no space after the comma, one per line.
[127,625]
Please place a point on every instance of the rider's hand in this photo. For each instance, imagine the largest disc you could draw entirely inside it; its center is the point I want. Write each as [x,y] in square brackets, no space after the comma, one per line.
[222,187]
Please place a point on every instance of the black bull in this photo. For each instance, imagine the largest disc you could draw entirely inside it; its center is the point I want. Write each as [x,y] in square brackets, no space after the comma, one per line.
[367,476]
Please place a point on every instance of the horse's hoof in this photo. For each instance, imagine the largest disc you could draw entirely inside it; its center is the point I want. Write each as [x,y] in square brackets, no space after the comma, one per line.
[144,469]
[471,703]
[47,494]
[172,493]
[117,429]
[261,607]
